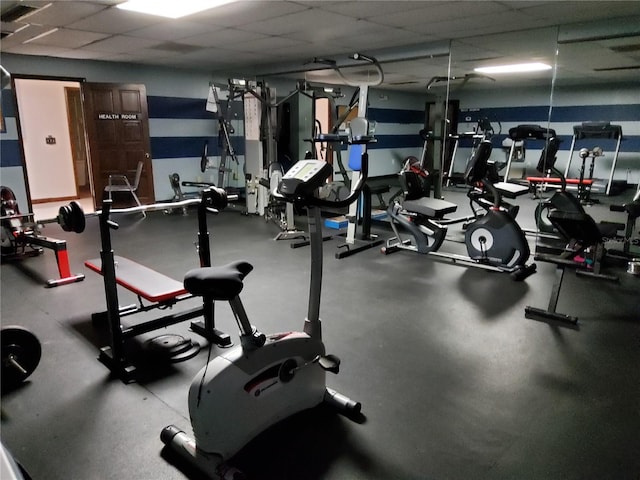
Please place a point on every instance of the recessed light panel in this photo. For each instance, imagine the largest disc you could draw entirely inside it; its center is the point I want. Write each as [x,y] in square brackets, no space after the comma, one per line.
[515,68]
[173,9]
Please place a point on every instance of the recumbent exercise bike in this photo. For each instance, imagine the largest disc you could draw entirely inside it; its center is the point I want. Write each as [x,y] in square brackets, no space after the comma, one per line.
[494,241]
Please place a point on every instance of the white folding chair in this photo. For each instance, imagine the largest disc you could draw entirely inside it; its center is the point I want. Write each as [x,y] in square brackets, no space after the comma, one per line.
[120,183]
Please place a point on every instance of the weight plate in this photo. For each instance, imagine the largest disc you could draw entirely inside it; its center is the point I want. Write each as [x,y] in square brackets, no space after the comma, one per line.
[21,353]
[173,348]
[78,220]
[64,217]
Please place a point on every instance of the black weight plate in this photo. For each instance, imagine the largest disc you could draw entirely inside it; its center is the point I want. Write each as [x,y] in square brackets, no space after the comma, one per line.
[64,218]
[168,345]
[78,220]
[187,354]
[21,346]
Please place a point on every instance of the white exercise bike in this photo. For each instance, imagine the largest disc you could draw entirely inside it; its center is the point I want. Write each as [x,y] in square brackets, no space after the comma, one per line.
[265,379]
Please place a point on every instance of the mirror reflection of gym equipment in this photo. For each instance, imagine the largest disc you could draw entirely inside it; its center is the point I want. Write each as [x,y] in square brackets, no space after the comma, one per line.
[508,379]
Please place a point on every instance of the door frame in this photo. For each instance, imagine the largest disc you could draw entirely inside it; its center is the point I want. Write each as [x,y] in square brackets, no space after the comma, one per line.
[23,159]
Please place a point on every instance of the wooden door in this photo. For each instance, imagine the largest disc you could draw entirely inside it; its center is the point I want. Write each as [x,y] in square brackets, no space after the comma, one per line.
[75,119]
[117,123]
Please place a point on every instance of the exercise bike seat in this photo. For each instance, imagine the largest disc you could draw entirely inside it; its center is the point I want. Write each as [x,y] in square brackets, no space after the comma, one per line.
[430,207]
[217,283]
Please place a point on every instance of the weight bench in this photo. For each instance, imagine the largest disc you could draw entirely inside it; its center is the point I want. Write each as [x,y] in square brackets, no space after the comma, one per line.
[162,291]
[583,185]
[144,282]
[584,233]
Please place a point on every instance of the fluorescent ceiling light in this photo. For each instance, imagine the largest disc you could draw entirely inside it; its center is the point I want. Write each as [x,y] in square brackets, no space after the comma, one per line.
[516,68]
[172,9]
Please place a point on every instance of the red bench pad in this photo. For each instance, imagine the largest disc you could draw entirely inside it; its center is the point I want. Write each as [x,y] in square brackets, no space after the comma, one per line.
[143,281]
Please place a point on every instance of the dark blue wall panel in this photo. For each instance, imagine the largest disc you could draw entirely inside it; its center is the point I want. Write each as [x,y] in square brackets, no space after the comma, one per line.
[10,153]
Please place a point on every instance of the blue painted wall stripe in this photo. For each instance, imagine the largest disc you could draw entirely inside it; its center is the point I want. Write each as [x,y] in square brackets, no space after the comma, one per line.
[179,147]
[10,153]
[612,113]
[540,114]
[175,107]
[8,103]
[194,108]
[396,141]
[394,115]
[630,143]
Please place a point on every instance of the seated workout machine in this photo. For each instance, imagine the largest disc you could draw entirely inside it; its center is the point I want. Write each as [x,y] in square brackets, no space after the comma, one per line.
[562,200]
[494,241]
[631,245]
[584,252]
[23,239]
[154,287]
[265,379]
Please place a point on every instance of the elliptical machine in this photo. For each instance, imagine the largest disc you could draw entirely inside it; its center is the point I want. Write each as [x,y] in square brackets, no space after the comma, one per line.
[494,241]
[265,379]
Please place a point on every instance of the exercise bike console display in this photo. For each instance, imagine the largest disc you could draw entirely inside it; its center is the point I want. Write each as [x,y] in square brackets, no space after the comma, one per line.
[304,178]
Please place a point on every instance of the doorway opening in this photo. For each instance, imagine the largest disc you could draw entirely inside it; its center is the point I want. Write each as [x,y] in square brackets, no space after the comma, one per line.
[53,136]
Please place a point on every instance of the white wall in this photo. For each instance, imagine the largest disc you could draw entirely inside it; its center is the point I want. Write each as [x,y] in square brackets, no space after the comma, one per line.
[43,113]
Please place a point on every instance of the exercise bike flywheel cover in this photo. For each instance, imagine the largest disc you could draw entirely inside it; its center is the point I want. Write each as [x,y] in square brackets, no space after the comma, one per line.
[21,353]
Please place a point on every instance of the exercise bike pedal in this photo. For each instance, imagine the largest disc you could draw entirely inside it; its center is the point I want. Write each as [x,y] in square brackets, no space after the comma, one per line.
[329,363]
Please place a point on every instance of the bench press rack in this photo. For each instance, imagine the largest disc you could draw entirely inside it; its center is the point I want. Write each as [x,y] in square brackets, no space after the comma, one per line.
[150,285]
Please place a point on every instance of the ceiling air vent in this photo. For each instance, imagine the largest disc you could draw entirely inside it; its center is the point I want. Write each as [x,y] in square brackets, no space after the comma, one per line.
[16,12]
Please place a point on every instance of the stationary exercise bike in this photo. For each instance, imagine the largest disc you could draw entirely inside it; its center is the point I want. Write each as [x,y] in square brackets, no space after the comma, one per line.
[266,378]
[494,241]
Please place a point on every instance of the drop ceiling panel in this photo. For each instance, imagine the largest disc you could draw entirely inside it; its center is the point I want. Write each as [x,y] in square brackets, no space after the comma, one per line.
[218,36]
[115,20]
[268,44]
[303,21]
[63,13]
[174,30]
[429,16]
[572,12]
[369,10]
[24,34]
[122,44]
[67,38]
